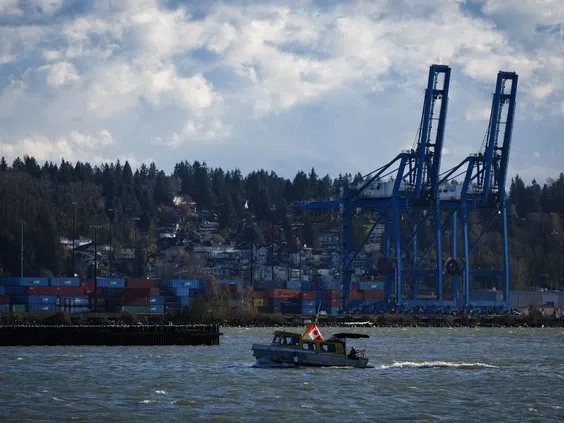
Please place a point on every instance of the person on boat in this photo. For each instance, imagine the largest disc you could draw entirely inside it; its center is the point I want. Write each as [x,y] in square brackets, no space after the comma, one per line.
[352,354]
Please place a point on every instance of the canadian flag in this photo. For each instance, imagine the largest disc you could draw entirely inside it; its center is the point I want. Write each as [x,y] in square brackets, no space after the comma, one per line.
[312,332]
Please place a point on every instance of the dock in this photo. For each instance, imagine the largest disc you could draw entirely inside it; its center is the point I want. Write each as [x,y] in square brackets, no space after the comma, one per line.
[109,335]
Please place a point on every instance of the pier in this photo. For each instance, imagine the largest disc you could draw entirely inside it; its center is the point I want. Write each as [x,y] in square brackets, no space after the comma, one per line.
[109,335]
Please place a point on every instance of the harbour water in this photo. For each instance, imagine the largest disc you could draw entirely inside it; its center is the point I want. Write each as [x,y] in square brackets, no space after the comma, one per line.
[419,374]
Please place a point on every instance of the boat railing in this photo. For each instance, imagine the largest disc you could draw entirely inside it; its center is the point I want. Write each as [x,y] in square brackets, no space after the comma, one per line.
[361,354]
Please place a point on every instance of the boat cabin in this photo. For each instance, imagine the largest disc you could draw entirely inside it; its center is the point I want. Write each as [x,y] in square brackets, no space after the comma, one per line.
[295,341]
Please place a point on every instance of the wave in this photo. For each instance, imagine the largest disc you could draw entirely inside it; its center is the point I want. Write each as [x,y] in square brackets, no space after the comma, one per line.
[438,364]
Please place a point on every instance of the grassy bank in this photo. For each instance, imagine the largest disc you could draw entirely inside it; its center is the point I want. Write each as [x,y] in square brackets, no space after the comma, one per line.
[269,320]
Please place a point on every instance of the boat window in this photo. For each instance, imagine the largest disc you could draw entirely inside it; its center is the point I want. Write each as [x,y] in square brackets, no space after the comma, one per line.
[308,346]
[276,339]
[328,348]
[292,340]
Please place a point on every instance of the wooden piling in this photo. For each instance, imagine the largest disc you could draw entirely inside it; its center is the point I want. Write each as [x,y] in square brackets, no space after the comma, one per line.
[109,335]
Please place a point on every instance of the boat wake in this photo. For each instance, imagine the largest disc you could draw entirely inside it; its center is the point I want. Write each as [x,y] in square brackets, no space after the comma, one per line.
[437,364]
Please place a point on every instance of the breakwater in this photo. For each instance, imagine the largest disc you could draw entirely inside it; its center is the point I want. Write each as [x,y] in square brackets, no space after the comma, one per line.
[109,335]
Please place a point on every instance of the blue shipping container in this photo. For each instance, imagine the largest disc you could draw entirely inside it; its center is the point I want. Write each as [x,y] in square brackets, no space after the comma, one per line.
[14,290]
[367,286]
[332,310]
[330,285]
[42,308]
[156,309]
[305,285]
[64,281]
[110,283]
[4,308]
[309,310]
[33,281]
[184,283]
[156,300]
[74,301]
[185,301]
[1,290]
[41,299]
[308,303]
[294,285]
[184,292]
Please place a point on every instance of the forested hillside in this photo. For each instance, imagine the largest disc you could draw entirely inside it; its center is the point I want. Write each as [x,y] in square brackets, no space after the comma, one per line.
[44,197]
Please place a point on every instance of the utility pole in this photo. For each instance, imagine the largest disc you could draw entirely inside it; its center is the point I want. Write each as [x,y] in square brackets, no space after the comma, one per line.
[95,227]
[135,220]
[73,237]
[22,251]
[111,220]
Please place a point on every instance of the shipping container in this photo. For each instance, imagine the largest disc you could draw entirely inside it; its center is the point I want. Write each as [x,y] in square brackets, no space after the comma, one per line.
[136,309]
[184,283]
[184,301]
[32,281]
[135,301]
[74,301]
[135,292]
[88,287]
[40,299]
[140,283]
[4,299]
[54,290]
[64,282]
[332,310]
[311,295]
[4,308]
[110,283]
[230,282]
[365,286]
[184,292]
[372,294]
[333,293]
[284,293]
[42,308]
[156,300]
[308,303]
[79,310]
[1,289]
[294,285]
[18,308]
[330,285]
[311,311]
[306,285]
[157,308]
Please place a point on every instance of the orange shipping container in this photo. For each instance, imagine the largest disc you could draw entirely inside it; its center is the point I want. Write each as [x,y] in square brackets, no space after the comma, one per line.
[284,293]
[310,295]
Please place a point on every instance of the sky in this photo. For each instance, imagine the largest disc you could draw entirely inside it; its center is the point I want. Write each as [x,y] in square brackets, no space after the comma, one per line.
[277,85]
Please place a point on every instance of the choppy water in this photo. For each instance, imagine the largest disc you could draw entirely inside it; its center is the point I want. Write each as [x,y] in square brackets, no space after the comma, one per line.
[427,375]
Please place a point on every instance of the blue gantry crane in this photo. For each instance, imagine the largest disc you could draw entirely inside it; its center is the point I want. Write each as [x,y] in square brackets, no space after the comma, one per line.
[483,188]
[401,190]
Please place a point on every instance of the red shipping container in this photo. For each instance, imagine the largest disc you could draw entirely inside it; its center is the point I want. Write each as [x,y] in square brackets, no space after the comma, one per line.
[4,299]
[332,293]
[54,290]
[135,292]
[356,295]
[308,295]
[88,287]
[155,292]
[135,301]
[140,283]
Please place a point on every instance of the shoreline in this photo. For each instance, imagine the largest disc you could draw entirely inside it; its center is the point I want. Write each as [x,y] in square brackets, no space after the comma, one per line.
[258,320]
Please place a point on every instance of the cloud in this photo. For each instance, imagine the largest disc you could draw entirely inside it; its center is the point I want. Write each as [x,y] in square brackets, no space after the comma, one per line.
[334,85]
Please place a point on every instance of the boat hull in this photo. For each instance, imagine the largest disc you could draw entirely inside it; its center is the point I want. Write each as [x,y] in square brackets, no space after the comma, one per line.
[297,357]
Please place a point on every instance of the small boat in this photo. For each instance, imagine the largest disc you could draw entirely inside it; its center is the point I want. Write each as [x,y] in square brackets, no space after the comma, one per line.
[311,349]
